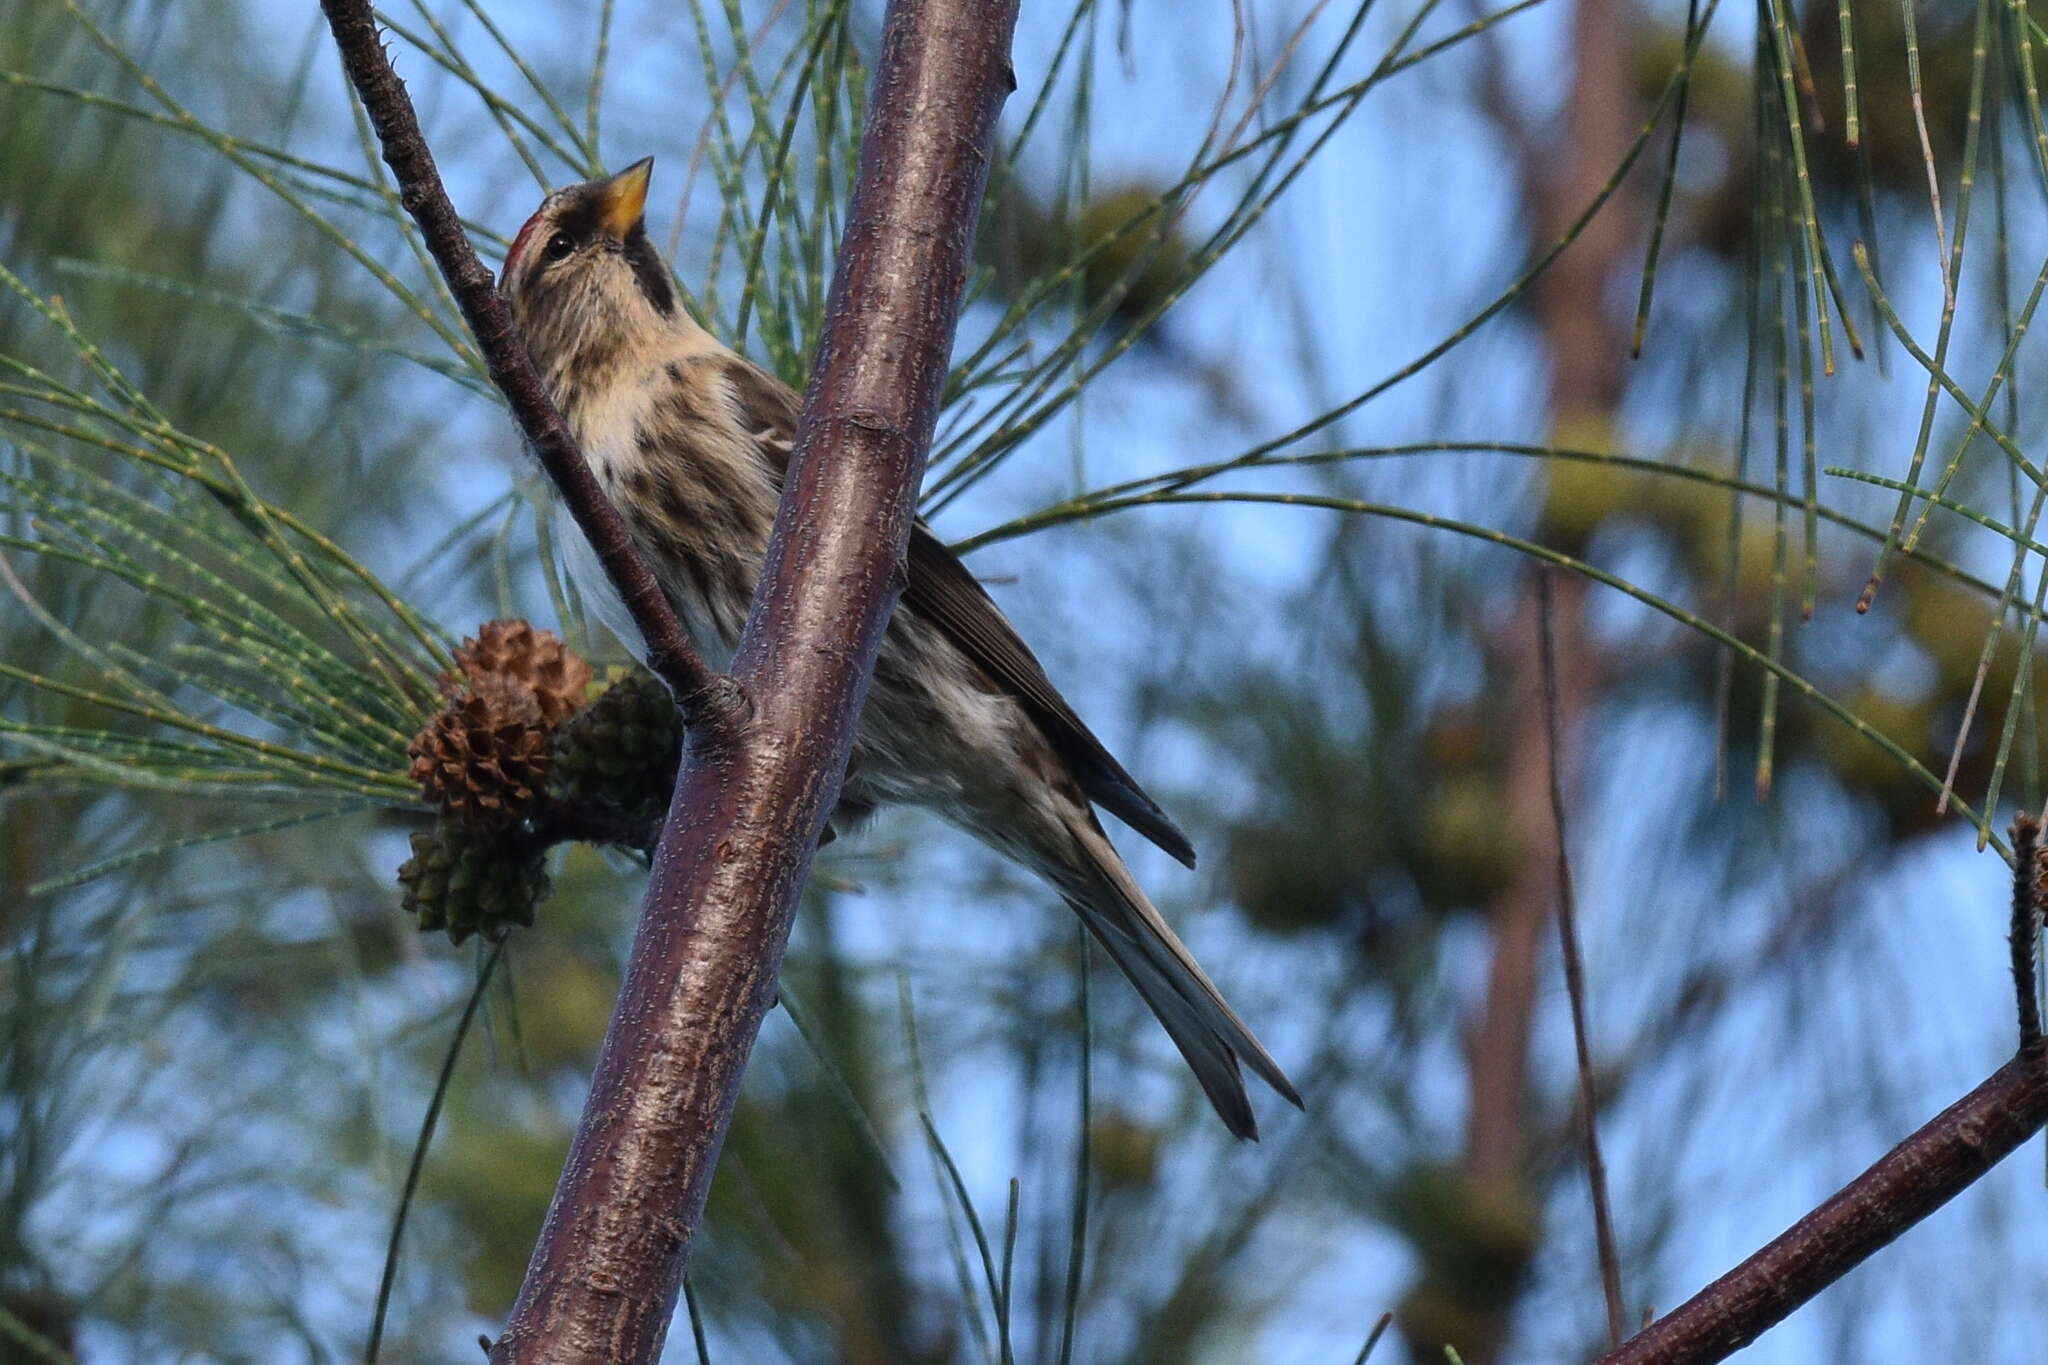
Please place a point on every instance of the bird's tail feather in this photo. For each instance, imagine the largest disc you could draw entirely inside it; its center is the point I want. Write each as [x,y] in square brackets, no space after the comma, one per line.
[1209,1034]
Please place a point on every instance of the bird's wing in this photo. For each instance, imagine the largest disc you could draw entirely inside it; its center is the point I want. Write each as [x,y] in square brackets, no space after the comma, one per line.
[944,592]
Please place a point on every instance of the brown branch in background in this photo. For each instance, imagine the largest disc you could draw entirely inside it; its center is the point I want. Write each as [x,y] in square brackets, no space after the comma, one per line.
[1575,976]
[1469,1300]
[2027,874]
[1910,1182]
[709,703]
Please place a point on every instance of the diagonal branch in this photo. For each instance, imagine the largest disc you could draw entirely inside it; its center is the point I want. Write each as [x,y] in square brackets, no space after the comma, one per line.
[749,808]
[1907,1184]
[708,702]
[1944,1158]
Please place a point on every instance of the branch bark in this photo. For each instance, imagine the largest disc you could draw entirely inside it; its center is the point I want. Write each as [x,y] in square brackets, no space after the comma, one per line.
[752,797]
[1911,1181]
[708,702]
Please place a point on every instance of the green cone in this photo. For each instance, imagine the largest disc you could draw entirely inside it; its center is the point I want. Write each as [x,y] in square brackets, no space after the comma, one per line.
[468,881]
[620,755]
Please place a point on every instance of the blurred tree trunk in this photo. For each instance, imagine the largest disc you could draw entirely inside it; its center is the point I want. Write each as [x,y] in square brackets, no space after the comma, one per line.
[1467,1297]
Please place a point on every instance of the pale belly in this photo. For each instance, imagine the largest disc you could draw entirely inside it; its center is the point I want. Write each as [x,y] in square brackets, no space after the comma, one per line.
[933,732]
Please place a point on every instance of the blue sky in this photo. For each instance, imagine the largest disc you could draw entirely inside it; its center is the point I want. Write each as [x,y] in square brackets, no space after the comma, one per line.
[1401,230]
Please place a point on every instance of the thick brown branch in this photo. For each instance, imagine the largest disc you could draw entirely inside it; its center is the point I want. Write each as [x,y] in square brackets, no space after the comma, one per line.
[1911,1181]
[708,703]
[748,808]
[746,818]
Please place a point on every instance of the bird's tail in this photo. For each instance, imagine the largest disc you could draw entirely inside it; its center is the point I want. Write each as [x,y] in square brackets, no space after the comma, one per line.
[1144,947]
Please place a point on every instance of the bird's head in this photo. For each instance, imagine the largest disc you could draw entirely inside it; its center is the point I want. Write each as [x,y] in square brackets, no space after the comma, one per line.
[582,275]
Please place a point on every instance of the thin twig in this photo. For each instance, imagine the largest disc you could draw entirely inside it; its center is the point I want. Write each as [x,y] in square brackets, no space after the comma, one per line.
[710,705]
[1948,279]
[2027,872]
[1379,1329]
[1962,744]
[389,1280]
[1575,976]
[1077,1240]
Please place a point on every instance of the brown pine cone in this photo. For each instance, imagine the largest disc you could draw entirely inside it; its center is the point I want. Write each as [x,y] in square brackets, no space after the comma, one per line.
[484,756]
[516,651]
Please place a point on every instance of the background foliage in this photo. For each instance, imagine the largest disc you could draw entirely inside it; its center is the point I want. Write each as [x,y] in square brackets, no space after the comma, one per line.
[1305,336]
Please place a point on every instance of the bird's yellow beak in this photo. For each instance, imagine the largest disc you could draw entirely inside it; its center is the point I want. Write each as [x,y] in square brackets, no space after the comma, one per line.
[623,199]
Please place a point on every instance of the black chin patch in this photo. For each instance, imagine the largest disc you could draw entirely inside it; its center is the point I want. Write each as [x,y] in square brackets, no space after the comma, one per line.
[648,271]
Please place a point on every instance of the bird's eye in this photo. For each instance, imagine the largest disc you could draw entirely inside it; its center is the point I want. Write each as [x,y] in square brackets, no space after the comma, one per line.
[559,245]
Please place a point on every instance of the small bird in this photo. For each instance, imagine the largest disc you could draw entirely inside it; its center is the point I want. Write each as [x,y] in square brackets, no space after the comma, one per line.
[690,441]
